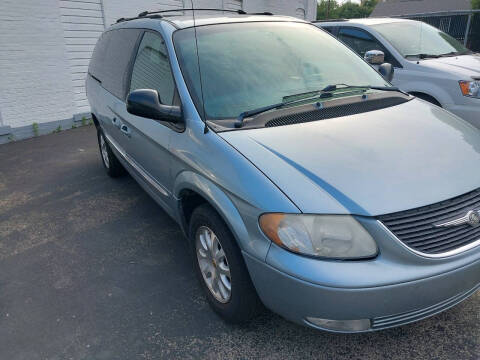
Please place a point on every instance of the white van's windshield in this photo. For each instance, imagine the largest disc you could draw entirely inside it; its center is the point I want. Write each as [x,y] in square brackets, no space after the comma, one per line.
[250,65]
[415,38]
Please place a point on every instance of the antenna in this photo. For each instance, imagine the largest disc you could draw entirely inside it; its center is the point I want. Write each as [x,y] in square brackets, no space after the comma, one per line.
[205,129]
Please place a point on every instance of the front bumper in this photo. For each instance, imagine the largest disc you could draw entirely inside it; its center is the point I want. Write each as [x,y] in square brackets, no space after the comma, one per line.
[385,306]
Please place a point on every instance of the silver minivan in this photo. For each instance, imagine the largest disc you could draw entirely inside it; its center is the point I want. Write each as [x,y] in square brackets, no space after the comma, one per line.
[302,179]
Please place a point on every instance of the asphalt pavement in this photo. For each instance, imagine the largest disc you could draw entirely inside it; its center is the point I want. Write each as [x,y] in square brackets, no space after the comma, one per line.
[92,268]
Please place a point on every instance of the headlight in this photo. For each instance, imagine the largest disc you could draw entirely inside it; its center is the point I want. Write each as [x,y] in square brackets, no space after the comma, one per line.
[328,236]
[470,88]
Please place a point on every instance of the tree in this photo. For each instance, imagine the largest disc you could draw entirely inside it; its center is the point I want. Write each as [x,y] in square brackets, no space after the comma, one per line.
[330,9]
[475,4]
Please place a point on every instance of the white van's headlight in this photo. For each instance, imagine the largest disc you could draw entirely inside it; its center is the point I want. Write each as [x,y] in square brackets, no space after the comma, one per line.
[328,236]
[470,88]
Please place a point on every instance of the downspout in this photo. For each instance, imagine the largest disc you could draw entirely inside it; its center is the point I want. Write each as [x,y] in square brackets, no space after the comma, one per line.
[103,14]
[467,31]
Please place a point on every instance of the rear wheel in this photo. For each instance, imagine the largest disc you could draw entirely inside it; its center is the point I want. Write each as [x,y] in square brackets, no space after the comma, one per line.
[113,167]
[220,267]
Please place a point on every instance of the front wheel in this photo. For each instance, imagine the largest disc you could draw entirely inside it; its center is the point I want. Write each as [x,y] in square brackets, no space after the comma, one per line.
[220,267]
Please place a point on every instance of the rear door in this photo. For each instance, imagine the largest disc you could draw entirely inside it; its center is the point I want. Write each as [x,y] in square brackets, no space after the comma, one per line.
[148,140]
[118,58]
[108,80]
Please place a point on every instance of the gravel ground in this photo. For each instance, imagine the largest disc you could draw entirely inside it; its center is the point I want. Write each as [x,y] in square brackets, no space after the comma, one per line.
[92,268]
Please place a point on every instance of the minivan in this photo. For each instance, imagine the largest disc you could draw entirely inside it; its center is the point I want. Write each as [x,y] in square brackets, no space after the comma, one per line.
[302,179]
[429,63]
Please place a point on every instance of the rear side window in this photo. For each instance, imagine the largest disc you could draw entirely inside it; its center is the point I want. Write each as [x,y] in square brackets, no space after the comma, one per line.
[151,69]
[112,58]
[97,61]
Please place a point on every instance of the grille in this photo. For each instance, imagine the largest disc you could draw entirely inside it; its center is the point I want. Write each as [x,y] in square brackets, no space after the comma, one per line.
[329,112]
[405,318]
[416,228]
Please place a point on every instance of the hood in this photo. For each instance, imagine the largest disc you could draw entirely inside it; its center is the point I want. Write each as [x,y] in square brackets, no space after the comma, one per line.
[370,164]
[468,65]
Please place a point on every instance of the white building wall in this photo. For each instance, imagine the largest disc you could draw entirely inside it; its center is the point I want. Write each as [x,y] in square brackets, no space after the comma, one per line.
[115,9]
[83,23]
[35,84]
[46,45]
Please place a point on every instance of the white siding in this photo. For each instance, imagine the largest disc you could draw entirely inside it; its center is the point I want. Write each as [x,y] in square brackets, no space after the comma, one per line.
[82,22]
[115,9]
[284,7]
[35,84]
[46,45]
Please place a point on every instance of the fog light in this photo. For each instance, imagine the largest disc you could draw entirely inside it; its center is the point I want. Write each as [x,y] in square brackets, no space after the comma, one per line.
[341,325]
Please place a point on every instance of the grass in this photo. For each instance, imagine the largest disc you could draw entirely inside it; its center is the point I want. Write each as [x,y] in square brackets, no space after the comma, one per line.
[35,129]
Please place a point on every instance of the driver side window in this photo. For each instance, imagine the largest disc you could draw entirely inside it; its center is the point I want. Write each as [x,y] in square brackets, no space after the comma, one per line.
[151,69]
[361,42]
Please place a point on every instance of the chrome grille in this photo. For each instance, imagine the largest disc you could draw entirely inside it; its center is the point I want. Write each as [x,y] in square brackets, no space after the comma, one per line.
[416,228]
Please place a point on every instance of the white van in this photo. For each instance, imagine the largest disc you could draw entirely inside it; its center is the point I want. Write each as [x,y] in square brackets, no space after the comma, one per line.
[428,63]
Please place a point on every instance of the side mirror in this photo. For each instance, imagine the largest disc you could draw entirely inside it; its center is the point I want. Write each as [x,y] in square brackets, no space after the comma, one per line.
[387,71]
[146,103]
[374,57]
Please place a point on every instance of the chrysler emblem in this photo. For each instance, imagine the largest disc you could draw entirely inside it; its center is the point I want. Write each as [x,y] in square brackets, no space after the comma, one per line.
[472,218]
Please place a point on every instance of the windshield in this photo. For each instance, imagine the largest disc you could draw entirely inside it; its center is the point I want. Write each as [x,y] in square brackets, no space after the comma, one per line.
[251,65]
[415,38]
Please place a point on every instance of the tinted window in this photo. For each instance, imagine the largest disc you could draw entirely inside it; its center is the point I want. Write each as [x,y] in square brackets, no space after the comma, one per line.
[121,46]
[111,59]
[97,61]
[361,41]
[329,29]
[151,69]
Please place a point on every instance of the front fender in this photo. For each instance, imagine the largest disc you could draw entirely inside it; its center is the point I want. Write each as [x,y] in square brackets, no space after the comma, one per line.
[244,229]
[429,88]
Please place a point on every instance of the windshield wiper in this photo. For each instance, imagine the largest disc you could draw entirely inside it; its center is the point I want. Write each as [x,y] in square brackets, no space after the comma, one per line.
[335,87]
[423,56]
[326,92]
[456,53]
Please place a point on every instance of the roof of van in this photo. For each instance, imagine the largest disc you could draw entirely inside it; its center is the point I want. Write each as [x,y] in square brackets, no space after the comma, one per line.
[366,21]
[184,18]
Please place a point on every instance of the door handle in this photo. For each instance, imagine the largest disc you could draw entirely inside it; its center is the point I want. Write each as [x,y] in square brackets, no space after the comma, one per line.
[125,130]
[115,122]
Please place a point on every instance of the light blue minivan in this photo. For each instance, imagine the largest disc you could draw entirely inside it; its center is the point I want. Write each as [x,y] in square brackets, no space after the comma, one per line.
[302,179]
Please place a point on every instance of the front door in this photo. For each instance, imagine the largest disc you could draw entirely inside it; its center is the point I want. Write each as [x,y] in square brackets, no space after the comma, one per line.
[362,41]
[148,140]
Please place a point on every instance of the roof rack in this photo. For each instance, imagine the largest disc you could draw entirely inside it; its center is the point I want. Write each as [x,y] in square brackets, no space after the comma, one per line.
[157,14]
[329,20]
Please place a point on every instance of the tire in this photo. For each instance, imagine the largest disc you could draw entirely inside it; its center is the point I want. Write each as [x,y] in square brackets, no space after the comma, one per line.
[243,302]
[112,166]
